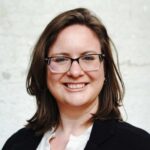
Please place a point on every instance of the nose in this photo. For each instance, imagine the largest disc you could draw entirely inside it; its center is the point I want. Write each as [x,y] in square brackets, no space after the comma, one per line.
[75,70]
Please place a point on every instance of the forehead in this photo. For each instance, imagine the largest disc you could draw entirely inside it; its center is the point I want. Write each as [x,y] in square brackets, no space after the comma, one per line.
[75,39]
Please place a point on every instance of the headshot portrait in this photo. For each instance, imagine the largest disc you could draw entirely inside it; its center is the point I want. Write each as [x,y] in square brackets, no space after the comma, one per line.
[78,85]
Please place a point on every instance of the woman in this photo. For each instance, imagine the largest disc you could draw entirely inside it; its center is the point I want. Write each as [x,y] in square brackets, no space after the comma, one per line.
[78,90]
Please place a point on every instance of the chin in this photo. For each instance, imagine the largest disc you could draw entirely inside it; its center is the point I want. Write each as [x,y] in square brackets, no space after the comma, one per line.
[79,102]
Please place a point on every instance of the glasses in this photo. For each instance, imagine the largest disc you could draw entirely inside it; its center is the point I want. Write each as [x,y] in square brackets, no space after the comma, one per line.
[62,64]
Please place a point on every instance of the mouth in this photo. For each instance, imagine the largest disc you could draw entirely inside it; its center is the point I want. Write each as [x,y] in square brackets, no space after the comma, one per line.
[75,86]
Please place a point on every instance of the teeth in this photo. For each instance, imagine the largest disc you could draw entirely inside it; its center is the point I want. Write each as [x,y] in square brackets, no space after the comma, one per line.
[75,86]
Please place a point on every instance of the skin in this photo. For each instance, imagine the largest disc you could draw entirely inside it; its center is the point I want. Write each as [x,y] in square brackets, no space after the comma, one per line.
[76,92]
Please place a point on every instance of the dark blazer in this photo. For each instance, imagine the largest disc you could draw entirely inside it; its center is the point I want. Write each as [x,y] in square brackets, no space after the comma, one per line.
[105,135]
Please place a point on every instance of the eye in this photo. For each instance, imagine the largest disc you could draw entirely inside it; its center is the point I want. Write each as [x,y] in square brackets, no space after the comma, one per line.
[59,59]
[88,57]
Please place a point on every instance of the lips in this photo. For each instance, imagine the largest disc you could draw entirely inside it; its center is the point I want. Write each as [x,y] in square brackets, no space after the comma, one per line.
[75,85]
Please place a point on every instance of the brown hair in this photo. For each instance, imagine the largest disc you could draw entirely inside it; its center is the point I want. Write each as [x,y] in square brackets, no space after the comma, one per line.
[47,113]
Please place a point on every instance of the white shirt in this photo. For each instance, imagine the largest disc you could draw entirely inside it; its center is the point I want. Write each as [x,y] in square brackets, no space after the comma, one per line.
[74,143]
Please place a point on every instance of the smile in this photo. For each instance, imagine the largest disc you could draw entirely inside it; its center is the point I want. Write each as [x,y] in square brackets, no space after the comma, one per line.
[75,85]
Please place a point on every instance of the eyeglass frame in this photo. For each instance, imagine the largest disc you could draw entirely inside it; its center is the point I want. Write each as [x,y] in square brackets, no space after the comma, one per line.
[48,59]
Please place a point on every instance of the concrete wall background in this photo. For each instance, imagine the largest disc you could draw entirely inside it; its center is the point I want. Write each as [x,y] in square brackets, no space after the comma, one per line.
[21,23]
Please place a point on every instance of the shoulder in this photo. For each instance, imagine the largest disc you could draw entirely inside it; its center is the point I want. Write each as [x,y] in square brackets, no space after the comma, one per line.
[117,134]
[23,137]
[133,136]
[121,128]
[128,129]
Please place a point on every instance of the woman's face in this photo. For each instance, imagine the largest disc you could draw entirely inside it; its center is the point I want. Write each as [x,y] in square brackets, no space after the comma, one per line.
[75,88]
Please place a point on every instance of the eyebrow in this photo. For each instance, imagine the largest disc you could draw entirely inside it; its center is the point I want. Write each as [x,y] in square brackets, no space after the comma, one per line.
[89,52]
[67,54]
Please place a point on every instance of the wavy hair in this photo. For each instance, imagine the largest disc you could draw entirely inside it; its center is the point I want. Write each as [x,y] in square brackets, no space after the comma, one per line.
[47,114]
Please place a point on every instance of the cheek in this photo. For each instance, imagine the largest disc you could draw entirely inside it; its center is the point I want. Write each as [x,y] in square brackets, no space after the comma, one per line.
[53,81]
[98,76]
[101,75]
[97,79]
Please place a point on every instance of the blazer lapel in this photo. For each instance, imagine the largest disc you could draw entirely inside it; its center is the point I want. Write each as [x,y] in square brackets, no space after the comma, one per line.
[101,132]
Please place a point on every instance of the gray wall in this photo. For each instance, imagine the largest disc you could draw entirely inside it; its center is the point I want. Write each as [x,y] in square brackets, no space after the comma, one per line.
[21,22]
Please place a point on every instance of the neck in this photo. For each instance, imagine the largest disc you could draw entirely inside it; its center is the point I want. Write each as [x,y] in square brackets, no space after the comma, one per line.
[74,120]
